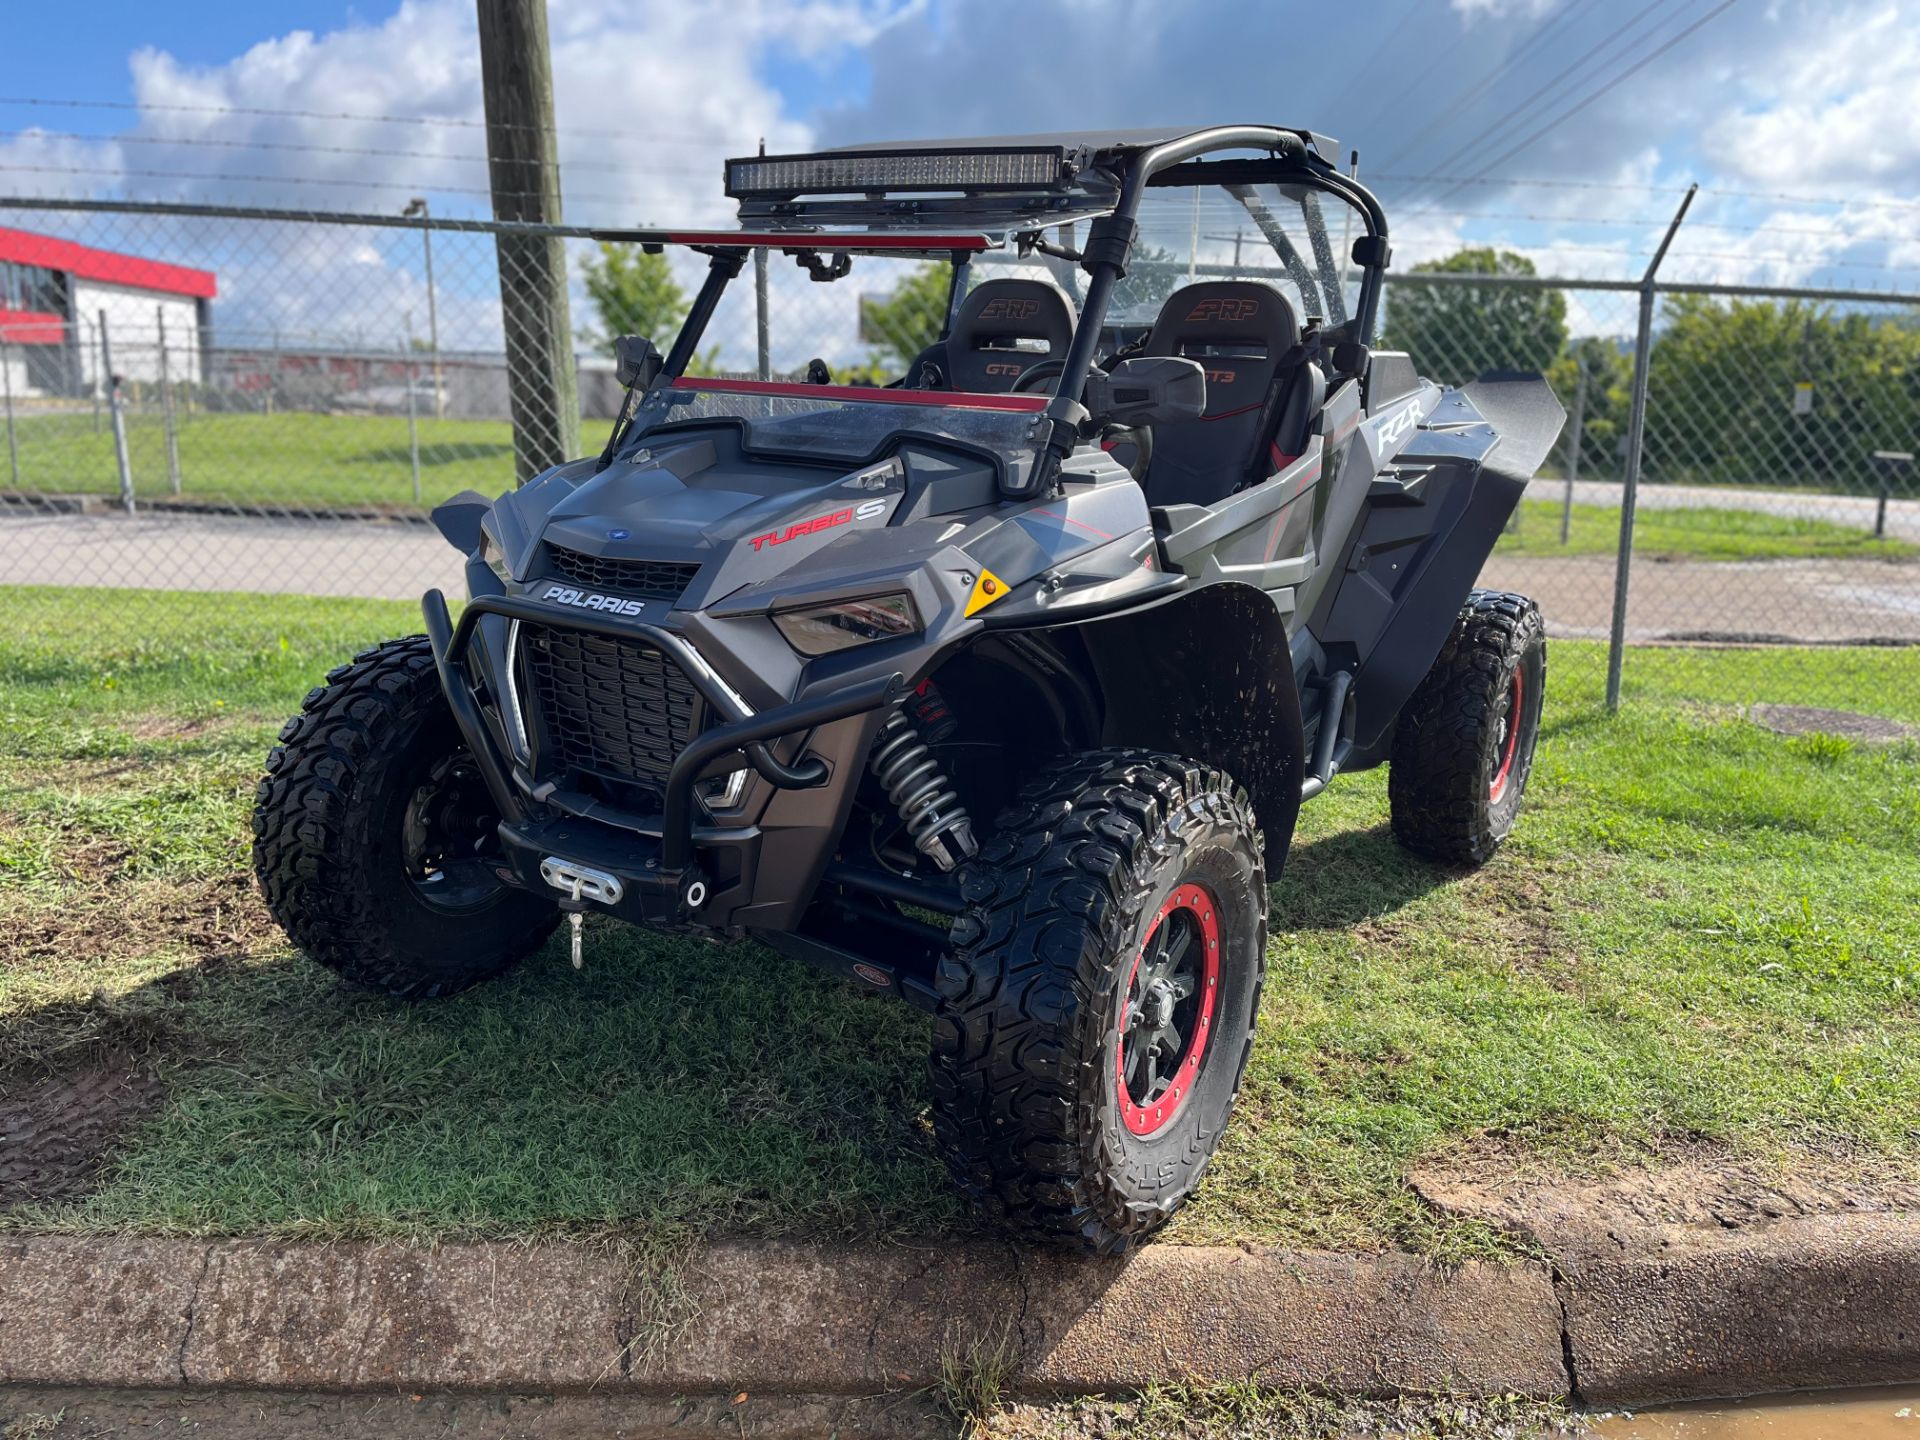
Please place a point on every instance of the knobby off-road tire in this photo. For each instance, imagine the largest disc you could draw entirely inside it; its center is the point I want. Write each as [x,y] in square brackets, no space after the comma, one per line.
[1463,746]
[1044,1108]
[370,836]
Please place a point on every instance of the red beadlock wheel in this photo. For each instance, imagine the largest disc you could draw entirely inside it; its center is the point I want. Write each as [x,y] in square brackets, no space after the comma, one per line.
[1165,1022]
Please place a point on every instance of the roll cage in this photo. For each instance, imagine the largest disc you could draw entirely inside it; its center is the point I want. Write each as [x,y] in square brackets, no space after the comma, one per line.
[955,200]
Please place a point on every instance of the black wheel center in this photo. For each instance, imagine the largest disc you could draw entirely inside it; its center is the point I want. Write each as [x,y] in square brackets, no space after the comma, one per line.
[1163,1004]
[447,835]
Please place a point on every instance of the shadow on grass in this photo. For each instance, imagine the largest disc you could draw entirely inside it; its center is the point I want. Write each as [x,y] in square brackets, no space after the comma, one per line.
[672,1088]
[1344,879]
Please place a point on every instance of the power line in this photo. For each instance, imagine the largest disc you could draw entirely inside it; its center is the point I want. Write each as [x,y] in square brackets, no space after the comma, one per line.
[1361,71]
[1591,56]
[1604,89]
[1473,92]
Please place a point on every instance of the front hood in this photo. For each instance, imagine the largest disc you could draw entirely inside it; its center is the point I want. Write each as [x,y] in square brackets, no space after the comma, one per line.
[743,521]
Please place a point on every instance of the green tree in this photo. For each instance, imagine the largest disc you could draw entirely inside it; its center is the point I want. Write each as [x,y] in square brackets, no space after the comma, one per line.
[1723,380]
[902,323]
[633,293]
[1456,332]
[1609,386]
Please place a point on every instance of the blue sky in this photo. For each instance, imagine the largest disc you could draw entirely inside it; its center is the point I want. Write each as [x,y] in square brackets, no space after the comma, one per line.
[1795,115]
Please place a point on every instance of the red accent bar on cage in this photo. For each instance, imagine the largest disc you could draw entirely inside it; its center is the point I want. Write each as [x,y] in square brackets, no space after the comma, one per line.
[873,395]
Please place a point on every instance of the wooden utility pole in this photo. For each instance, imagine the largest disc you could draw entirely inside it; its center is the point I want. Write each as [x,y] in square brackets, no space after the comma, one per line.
[522,160]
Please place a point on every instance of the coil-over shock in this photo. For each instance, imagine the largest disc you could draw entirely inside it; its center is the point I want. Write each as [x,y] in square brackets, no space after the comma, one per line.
[916,782]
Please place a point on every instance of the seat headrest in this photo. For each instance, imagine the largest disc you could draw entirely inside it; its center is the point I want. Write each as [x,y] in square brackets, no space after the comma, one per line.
[1236,329]
[982,349]
[1216,311]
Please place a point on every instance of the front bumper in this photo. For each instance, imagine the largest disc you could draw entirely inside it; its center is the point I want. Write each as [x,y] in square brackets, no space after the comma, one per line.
[659,859]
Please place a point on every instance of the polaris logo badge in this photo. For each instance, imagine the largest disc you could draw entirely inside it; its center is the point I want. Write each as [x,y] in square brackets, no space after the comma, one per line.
[1224,310]
[865,510]
[586,600]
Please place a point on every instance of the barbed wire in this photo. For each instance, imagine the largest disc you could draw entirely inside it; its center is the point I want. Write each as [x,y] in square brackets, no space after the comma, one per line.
[647,137]
[311,180]
[201,142]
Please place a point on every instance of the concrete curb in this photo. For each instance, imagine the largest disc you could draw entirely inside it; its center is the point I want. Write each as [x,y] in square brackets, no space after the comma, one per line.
[1669,1313]
[790,1317]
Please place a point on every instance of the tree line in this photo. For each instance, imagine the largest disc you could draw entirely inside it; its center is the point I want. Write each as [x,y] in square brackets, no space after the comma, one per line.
[1741,391]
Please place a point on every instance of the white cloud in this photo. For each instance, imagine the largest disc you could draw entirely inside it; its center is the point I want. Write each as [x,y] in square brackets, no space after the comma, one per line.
[1500,9]
[1833,111]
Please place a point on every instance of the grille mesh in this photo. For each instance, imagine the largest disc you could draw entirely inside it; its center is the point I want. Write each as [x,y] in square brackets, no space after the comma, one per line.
[616,708]
[651,579]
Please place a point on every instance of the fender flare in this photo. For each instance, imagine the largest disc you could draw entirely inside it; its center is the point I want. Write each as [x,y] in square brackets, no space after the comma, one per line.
[1209,675]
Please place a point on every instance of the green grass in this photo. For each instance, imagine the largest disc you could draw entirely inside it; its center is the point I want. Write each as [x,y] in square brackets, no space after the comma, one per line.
[283,459]
[1701,935]
[1693,534]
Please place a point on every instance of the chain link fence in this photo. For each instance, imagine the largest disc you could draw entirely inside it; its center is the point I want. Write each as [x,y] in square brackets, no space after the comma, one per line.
[216,399]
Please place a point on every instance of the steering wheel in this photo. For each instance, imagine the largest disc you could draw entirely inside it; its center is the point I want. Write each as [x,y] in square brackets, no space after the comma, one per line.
[1030,378]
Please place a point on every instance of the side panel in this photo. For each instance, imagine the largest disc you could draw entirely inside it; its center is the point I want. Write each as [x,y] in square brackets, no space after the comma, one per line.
[1427,526]
[1209,676]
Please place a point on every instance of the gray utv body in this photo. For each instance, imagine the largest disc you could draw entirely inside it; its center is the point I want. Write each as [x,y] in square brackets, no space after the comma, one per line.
[656,747]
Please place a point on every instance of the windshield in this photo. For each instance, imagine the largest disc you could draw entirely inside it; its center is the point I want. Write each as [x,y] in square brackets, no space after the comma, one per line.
[842,423]
[1290,236]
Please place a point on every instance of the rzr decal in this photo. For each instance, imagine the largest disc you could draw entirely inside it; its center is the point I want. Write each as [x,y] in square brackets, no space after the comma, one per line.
[1395,430]
[865,510]
[586,600]
[1223,309]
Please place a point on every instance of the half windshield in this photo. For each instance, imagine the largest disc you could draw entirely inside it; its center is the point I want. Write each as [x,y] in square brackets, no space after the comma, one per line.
[844,423]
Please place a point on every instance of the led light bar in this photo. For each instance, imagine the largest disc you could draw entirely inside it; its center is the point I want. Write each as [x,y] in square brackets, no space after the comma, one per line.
[1044,167]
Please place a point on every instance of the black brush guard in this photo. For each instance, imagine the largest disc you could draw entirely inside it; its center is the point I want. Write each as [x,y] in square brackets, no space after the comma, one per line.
[741,731]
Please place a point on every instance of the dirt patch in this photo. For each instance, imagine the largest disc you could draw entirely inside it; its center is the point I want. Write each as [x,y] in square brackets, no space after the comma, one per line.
[1497,1183]
[56,1134]
[1815,720]
[172,727]
[209,915]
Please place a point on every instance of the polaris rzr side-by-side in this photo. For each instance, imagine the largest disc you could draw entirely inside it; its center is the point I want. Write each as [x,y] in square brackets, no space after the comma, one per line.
[996,688]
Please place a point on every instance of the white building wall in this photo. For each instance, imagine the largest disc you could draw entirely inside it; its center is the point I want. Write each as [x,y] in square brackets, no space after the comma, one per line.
[133,320]
[13,370]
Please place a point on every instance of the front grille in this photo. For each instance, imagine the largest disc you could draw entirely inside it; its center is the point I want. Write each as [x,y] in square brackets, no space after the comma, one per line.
[650,579]
[615,708]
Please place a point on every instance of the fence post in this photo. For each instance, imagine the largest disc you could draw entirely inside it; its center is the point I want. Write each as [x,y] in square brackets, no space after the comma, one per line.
[413,418]
[523,166]
[166,403]
[99,378]
[13,445]
[762,337]
[1578,443]
[119,420]
[1636,442]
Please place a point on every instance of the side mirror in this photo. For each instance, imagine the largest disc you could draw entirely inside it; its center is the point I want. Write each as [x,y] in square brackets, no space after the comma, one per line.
[1148,389]
[636,361]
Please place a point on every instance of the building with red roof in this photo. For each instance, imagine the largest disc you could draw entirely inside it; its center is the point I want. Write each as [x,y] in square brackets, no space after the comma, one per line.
[57,295]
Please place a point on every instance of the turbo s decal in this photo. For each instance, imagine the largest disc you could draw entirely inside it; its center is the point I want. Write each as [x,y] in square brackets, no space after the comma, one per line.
[865,510]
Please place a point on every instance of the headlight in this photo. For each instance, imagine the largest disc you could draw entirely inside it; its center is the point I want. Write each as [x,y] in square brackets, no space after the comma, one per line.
[842,624]
[493,557]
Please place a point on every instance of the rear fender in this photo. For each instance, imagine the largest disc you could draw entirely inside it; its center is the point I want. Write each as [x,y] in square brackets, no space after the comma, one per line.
[1424,532]
[1208,676]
